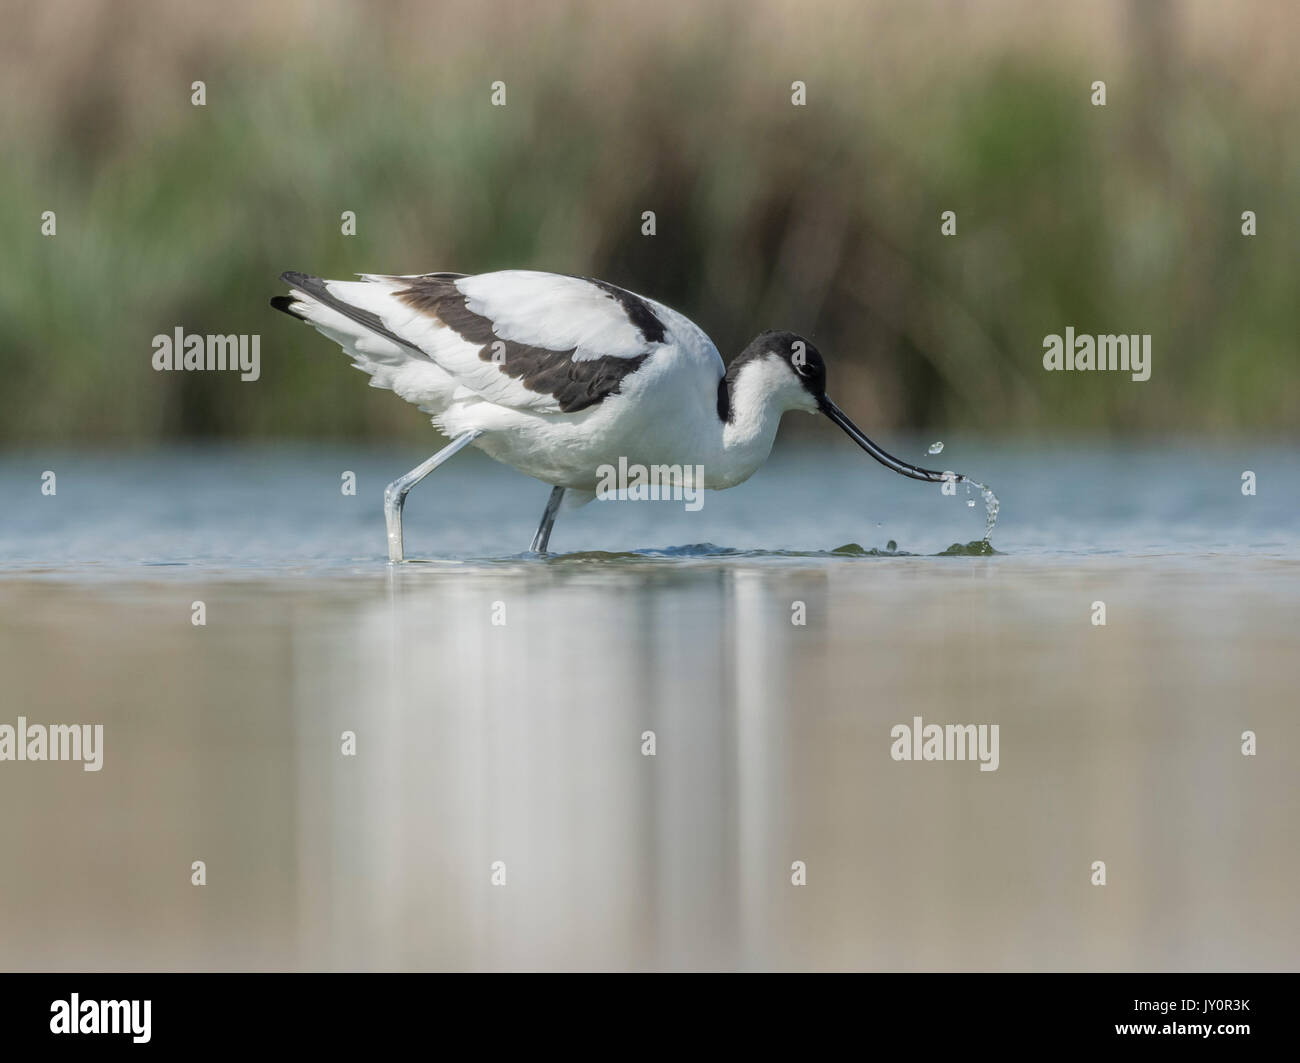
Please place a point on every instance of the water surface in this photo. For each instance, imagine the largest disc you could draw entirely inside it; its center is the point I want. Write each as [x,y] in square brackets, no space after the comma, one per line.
[521,741]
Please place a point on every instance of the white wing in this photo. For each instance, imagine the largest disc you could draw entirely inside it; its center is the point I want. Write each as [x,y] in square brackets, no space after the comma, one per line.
[518,338]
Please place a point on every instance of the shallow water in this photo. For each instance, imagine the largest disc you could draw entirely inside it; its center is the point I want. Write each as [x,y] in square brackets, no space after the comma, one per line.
[522,742]
[223,511]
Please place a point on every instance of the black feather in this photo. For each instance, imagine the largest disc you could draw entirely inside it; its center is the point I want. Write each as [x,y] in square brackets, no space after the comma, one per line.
[574,385]
[315,287]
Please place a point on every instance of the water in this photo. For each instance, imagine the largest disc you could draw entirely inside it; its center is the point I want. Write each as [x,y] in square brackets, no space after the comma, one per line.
[992,507]
[245,511]
[991,504]
[521,742]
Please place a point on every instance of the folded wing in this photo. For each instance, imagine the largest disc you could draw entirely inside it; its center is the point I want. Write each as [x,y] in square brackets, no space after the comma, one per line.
[518,338]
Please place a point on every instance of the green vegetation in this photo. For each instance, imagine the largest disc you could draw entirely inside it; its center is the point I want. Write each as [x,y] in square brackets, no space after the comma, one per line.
[824,219]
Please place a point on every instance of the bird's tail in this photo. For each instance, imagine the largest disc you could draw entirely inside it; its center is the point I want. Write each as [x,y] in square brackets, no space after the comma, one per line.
[339,310]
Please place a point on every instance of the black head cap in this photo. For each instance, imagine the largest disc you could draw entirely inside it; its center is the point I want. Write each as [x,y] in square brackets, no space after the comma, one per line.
[799,354]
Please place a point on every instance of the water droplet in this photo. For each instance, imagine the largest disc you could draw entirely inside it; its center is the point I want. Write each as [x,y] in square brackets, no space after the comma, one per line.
[891,546]
[991,506]
[936,448]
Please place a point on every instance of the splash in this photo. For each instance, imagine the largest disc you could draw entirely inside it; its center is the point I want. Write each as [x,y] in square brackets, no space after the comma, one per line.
[991,507]
[991,503]
[936,448]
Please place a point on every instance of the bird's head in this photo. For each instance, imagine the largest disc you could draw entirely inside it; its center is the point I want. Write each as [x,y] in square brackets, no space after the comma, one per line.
[784,368]
[787,369]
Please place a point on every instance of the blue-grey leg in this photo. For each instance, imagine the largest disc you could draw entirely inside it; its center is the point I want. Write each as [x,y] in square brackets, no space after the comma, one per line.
[543,535]
[395,493]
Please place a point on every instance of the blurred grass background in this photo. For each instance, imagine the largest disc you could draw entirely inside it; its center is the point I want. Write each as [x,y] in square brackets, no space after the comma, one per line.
[824,219]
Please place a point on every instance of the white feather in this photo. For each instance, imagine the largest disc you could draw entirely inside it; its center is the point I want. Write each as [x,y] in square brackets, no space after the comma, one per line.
[554,311]
[544,310]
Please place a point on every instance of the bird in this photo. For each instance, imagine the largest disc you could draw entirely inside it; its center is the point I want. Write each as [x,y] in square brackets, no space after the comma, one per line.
[561,377]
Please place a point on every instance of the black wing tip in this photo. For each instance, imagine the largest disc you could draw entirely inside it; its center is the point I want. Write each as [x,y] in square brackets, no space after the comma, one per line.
[304,282]
[285,303]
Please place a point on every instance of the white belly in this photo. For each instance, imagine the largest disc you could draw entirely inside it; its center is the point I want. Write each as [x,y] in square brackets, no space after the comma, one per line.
[663,415]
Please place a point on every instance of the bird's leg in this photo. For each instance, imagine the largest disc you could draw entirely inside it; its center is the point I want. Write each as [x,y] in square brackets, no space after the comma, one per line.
[543,535]
[395,493]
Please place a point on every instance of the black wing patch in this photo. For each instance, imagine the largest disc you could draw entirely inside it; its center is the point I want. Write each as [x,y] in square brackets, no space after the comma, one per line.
[575,385]
[637,309]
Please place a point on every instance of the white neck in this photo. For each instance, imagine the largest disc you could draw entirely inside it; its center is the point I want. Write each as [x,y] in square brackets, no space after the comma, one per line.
[761,392]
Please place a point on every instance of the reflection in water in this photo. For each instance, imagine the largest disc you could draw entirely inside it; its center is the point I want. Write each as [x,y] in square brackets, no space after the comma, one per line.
[521,742]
